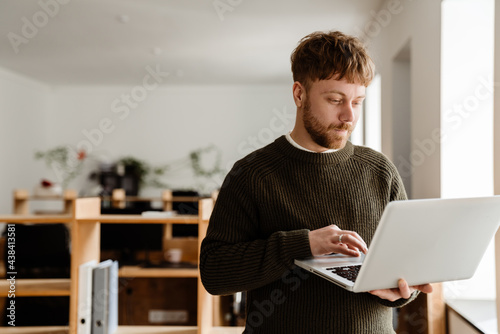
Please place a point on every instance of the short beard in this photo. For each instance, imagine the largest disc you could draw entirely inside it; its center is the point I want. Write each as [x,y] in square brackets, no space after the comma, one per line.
[323,135]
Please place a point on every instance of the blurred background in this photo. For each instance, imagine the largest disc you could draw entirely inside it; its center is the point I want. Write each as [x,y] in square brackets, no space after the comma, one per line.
[180,90]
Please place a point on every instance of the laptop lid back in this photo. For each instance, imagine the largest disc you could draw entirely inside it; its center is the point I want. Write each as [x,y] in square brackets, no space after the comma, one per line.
[429,240]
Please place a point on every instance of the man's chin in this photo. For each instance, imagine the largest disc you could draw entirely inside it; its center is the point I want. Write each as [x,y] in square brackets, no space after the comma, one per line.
[332,142]
[337,144]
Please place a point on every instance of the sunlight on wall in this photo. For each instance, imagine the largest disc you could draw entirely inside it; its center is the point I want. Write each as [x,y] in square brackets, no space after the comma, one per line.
[372,115]
[467,118]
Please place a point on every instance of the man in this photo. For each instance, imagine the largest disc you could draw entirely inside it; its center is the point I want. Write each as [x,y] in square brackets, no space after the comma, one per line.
[308,193]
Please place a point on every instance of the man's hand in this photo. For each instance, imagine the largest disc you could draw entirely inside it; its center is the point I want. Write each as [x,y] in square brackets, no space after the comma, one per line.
[403,291]
[331,239]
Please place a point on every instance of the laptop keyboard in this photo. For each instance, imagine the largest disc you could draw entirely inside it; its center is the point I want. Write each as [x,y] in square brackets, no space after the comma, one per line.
[348,272]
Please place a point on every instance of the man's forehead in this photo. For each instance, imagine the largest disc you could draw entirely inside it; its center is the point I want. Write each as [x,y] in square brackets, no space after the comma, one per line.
[343,87]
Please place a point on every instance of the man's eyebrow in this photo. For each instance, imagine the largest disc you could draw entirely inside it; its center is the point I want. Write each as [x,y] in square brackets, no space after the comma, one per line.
[334,91]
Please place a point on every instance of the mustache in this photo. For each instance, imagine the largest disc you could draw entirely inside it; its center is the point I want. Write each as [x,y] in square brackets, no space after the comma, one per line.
[343,126]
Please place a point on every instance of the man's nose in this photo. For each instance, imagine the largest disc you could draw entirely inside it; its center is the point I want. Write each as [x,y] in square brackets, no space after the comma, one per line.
[347,113]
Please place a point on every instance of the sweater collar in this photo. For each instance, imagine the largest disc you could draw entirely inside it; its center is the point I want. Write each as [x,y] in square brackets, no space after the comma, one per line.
[312,157]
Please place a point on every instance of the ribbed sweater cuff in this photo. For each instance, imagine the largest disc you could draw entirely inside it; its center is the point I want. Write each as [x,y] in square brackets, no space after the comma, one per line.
[296,245]
[398,303]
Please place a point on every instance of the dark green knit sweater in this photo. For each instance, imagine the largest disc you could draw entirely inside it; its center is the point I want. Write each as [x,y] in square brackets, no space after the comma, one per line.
[267,205]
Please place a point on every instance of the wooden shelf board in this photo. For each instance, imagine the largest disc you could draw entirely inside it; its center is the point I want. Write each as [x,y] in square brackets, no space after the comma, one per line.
[27,219]
[135,219]
[49,213]
[132,271]
[35,330]
[48,198]
[186,199]
[157,330]
[175,330]
[124,330]
[37,287]
[155,199]
[227,330]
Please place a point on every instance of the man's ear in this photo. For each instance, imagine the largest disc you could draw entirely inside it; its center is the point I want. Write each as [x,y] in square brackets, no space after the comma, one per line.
[299,94]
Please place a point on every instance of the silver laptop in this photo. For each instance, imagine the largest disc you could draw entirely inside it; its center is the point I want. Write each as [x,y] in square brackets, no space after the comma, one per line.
[422,241]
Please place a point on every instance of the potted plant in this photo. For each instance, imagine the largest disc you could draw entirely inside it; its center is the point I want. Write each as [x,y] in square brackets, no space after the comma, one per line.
[138,173]
[65,162]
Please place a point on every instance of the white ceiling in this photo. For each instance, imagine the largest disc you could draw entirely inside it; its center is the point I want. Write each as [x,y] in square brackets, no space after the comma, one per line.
[111,42]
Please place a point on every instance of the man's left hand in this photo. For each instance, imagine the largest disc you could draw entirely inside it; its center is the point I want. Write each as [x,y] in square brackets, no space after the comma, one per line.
[403,291]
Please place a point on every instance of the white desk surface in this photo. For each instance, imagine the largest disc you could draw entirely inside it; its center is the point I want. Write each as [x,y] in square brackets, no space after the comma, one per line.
[480,313]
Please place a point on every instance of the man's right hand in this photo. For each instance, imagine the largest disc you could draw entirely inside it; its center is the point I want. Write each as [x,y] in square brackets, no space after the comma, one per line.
[331,239]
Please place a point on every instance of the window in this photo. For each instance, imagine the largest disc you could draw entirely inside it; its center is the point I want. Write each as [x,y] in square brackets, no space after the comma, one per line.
[467,119]
[368,131]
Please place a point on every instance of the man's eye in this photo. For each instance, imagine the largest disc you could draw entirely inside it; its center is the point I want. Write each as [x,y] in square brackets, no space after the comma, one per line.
[335,101]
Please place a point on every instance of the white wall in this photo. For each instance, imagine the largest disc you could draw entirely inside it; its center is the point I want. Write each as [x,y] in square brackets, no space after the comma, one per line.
[405,23]
[169,122]
[23,104]
[161,127]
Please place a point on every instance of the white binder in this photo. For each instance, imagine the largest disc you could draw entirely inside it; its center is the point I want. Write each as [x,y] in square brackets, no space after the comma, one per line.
[105,298]
[85,297]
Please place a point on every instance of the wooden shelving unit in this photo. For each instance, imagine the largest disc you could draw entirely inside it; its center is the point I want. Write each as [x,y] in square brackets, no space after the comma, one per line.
[85,236]
[83,217]
[44,287]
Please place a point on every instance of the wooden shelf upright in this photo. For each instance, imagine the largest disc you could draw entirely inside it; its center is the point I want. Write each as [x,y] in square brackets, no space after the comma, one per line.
[22,197]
